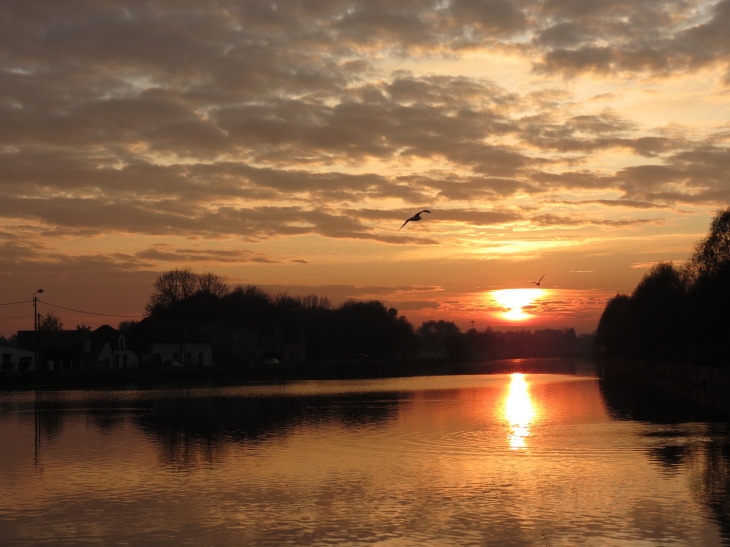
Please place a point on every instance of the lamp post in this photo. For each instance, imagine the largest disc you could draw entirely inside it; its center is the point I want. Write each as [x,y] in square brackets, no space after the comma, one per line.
[36,326]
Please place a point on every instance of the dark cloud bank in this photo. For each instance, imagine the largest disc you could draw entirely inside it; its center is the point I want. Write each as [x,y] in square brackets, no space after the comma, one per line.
[258,119]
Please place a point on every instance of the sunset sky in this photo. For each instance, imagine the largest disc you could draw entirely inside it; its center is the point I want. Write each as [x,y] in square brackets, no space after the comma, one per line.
[284,143]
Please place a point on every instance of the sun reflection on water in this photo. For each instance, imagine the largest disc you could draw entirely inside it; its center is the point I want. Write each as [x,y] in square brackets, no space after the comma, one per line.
[519,411]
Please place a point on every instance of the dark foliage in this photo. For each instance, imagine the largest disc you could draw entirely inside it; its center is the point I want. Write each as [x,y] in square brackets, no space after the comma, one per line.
[50,322]
[511,344]
[677,314]
[354,327]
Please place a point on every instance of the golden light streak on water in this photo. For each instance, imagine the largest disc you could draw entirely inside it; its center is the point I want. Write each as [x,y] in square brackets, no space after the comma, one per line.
[519,411]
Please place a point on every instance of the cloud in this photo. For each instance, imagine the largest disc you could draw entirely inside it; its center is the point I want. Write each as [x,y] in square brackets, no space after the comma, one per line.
[259,120]
[408,305]
[659,38]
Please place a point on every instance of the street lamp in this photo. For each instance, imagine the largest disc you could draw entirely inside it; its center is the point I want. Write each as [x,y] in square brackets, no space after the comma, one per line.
[36,326]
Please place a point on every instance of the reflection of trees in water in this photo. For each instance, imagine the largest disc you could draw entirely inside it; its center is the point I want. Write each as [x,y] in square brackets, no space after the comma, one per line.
[714,487]
[193,429]
[676,446]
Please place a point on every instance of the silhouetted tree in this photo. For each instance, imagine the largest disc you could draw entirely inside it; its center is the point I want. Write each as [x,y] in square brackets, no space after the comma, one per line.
[657,311]
[50,322]
[213,284]
[433,336]
[125,326]
[712,253]
[353,327]
[677,314]
[171,289]
[11,341]
[614,332]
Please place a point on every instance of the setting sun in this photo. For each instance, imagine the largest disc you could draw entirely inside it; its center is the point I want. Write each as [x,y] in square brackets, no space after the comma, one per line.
[514,300]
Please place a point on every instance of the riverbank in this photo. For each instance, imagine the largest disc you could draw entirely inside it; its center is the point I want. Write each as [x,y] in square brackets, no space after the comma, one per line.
[310,370]
[702,385]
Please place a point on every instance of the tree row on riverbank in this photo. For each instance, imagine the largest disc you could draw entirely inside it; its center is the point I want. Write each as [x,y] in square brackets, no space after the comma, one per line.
[676,313]
[353,329]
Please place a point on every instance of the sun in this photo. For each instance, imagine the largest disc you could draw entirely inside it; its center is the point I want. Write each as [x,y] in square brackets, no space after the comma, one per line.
[516,299]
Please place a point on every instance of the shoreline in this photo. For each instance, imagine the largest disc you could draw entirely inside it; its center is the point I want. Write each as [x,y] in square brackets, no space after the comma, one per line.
[220,375]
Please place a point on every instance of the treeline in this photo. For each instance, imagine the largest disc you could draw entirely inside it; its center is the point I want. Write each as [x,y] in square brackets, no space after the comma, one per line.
[331,331]
[352,329]
[679,314]
[444,339]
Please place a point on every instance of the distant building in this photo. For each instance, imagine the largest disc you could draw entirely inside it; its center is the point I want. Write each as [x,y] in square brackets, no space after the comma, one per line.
[231,342]
[286,345]
[109,346]
[103,348]
[57,350]
[169,342]
[16,358]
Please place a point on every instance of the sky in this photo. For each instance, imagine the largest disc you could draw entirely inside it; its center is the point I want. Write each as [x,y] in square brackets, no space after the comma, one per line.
[284,143]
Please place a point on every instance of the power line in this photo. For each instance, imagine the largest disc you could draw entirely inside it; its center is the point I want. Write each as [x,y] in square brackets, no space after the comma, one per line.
[11,303]
[15,317]
[88,312]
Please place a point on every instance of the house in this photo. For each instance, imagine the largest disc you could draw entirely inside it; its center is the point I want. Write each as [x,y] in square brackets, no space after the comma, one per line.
[231,342]
[57,350]
[168,342]
[110,347]
[103,348]
[288,345]
[16,358]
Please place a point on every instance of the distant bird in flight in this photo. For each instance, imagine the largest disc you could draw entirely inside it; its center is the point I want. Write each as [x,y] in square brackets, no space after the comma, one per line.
[415,218]
[538,281]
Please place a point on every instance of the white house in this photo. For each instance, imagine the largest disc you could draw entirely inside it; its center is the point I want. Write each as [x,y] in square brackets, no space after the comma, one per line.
[16,358]
[123,356]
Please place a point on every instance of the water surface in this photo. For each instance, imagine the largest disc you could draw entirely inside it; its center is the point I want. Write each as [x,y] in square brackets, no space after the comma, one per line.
[504,460]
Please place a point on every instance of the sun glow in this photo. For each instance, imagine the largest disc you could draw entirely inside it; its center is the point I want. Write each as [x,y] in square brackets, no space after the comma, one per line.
[519,411]
[516,299]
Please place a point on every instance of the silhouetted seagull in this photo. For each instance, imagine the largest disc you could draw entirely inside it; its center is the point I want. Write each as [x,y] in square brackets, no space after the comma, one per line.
[538,281]
[415,218]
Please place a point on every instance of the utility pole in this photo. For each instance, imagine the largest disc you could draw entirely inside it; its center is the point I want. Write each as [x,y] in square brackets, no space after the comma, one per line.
[36,327]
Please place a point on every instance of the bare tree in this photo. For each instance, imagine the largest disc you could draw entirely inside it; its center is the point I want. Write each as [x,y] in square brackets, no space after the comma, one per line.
[172,288]
[210,283]
[314,301]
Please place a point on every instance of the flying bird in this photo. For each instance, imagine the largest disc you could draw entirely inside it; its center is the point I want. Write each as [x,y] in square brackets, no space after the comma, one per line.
[415,218]
[538,281]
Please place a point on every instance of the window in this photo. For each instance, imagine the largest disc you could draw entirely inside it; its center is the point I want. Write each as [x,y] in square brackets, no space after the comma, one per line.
[124,361]
[201,359]
[7,358]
